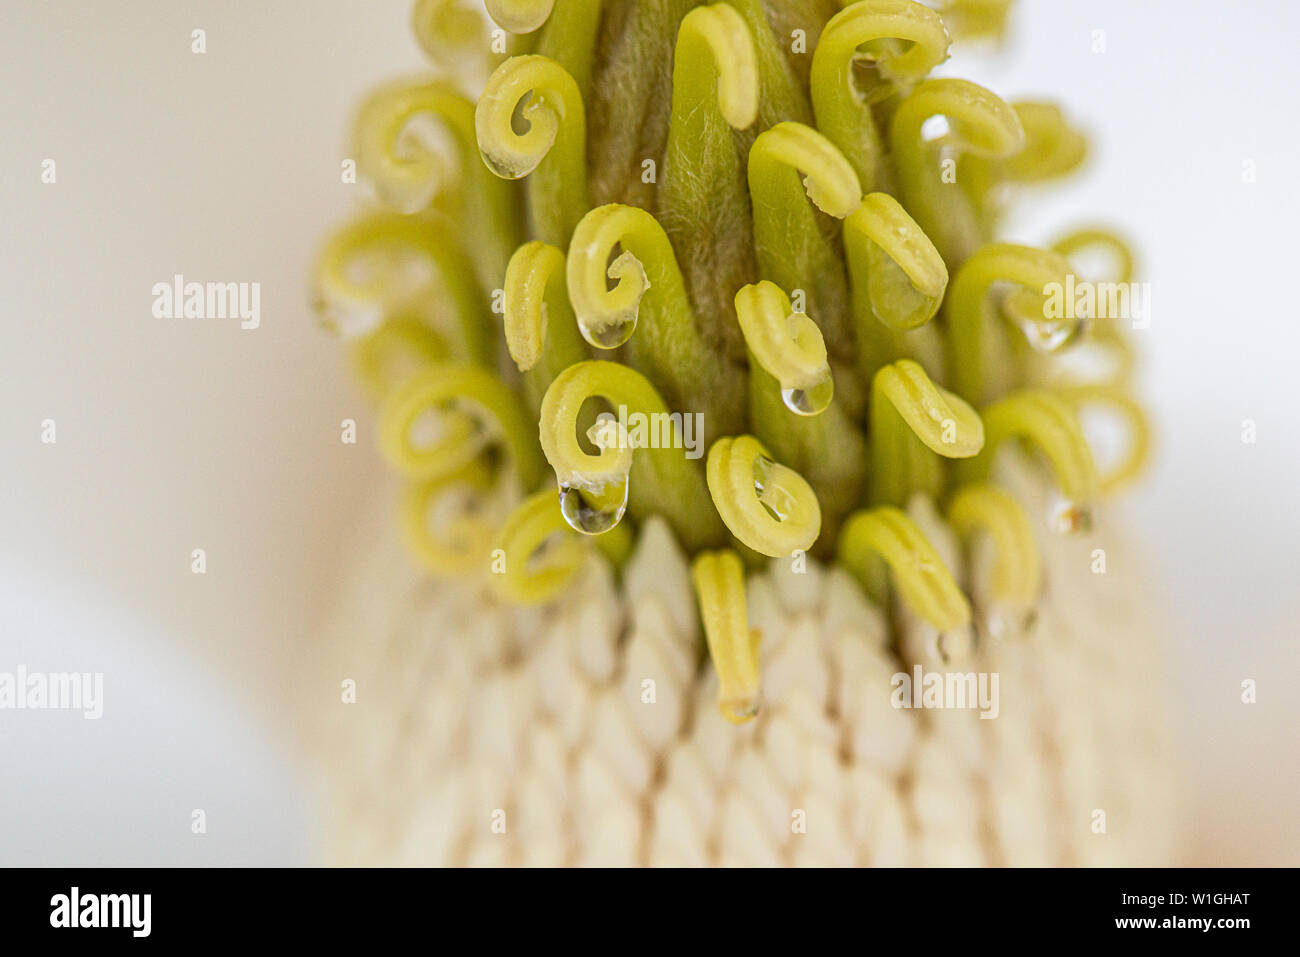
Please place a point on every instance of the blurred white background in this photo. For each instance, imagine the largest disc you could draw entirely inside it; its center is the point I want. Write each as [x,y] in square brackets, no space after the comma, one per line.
[175,435]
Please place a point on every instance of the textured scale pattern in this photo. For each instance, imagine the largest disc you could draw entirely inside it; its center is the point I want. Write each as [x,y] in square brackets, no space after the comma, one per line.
[467,707]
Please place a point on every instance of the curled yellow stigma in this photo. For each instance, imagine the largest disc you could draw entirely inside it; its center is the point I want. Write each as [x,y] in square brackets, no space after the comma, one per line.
[790,165]
[894,263]
[792,159]
[541,332]
[596,487]
[1096,239]
[788,345]
[1130,411]
[852,38]
[1047,422]
[451,32]
[649,297]
[913,421]
[970,308]
[415,144]
[733,646]
[1017,571]
[443,522]
[920,575]
[1052,146]
[448,415]
[766,505]
[552,152]
[377,267]
[714,61]
[401,347]
[536,554]
[978,122]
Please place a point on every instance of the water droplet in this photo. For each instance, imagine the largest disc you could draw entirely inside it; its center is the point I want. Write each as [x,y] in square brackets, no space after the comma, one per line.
[811,401]
[739,710]
[1069,518]
[1008,623]
[775,499]
[614,326]
[611,331]
[593,513]
[1046,334]
[508,164]
[1051,335]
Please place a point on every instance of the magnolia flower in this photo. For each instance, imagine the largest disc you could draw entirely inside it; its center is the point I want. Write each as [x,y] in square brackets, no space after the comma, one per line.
[605,223]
